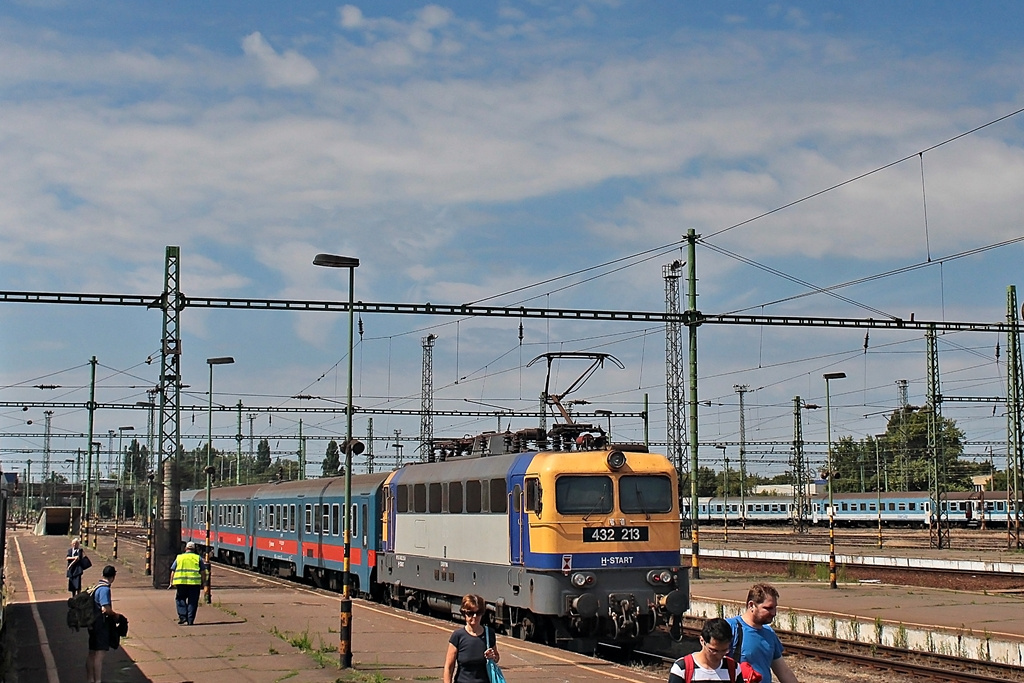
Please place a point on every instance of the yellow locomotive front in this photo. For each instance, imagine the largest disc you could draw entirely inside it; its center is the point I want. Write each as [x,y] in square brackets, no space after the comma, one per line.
[605,525]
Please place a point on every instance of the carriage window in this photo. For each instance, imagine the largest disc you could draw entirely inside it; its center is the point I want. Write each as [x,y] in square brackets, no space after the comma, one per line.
[316,518]
[363,510]
[327,519]
[473,502]
[280,517]
[353,516]
[517,503]
[270,517]
[455,497]
[402,502]
[336,518]
[434,498]
[261,517]
[419,498]
[903,507]
[309,518]
[645,494]
[913,506]
[291,518]
[892,507]
[499,501]
[533,495]
[575,495]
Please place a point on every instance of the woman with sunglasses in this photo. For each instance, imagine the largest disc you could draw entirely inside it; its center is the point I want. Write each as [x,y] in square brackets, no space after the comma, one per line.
[471,646]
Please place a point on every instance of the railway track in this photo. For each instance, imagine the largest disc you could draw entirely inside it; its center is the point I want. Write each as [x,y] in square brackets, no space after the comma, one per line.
[846,655]
[967,540]
[851,656]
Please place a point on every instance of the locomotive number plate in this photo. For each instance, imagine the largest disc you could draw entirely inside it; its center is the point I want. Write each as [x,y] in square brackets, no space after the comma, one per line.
[603,534]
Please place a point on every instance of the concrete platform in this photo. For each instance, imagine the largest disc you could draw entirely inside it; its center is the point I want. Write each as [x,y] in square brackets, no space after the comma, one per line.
[971,625]
[256,630]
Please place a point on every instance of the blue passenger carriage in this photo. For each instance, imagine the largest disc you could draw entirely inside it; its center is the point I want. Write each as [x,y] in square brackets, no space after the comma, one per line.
[299,530]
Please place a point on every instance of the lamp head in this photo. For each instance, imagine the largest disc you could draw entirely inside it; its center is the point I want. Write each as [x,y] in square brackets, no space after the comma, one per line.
[335,261]
[834,375]
[221,360]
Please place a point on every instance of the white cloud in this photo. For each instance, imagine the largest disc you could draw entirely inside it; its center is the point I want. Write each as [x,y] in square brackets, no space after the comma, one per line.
[288,70]
[350,16]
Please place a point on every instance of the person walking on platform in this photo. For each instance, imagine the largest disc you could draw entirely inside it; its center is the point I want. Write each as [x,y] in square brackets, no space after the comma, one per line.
[754,641]
[471,646]
[711,662]
[77,563]
[99,632]
[187,577]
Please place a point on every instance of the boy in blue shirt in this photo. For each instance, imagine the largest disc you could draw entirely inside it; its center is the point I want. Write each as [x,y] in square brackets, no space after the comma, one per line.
[99,632]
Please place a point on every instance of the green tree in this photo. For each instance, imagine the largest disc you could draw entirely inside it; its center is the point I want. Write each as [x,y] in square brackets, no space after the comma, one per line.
[332,463]
[904,459]
[262,464]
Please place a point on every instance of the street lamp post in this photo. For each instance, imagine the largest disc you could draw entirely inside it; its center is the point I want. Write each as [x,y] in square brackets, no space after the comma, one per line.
[117,502]
[345,631]
[120,461]
[725,491]
[95,504]
[831,472]
[878,486]
[220,360]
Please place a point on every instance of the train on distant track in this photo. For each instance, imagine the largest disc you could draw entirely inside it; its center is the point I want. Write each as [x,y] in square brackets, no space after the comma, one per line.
[907,508]
[569,547]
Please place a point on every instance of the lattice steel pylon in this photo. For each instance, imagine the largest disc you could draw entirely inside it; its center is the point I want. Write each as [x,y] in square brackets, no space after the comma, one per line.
[369,445]
[675,411]
[427,400]
[742,390]
[799,469]
[49,484]
[168,520]
[939,529]
[1014,426]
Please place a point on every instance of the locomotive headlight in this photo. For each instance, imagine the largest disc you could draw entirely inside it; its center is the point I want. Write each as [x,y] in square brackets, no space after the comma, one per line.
[659,578]
[582,579]
[616,460]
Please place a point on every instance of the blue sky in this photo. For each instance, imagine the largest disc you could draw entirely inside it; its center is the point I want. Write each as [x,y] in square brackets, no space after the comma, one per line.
[464,150]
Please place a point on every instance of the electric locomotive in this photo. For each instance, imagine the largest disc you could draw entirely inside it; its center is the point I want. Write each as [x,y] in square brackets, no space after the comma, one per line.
[568,547]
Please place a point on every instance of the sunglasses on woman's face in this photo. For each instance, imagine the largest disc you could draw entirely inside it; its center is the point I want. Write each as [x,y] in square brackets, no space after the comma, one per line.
[471,614]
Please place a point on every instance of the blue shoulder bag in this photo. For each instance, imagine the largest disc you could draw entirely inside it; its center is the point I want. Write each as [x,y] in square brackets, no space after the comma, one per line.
[493,670]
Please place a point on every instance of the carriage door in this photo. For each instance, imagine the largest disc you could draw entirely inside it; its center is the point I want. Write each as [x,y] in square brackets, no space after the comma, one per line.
[517,522]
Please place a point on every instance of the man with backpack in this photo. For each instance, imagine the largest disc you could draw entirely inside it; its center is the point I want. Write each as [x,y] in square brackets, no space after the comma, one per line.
[711,662]
[754,641]
[99,630]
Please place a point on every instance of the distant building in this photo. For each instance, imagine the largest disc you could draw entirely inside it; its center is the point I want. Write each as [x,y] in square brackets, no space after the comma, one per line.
[982,482]
[786,490]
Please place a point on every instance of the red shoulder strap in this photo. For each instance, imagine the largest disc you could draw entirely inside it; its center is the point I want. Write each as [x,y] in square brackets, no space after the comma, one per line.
[688,665]
[731,664]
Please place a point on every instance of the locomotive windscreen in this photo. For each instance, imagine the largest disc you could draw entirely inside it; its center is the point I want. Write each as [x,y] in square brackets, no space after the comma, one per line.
[645,494]
[576,495]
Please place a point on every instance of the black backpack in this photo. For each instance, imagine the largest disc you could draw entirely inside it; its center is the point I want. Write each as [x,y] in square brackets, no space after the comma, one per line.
[82,609]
